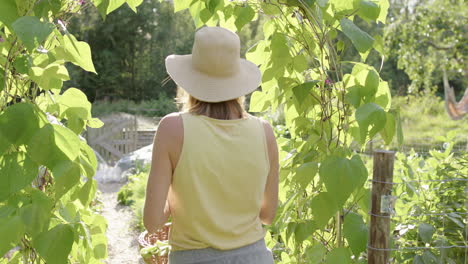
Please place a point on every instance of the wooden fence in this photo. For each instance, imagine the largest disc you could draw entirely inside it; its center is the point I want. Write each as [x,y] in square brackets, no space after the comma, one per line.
[118,136]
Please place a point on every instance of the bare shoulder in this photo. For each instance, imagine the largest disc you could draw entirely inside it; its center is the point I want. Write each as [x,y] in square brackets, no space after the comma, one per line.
[170,122]
[170,126]
[270,135]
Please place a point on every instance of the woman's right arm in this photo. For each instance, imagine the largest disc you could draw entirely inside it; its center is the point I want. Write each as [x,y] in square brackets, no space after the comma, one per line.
[270,197]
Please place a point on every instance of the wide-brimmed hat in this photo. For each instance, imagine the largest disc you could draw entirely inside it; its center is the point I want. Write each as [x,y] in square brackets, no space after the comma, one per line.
[214,72]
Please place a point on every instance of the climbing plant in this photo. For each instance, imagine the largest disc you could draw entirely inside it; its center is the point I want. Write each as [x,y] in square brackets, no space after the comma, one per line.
[47,206]
[330,107]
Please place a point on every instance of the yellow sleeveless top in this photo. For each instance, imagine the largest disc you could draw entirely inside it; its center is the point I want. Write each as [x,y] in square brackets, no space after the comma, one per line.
[218,183]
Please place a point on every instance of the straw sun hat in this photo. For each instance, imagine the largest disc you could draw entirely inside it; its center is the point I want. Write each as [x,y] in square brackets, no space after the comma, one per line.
[214,72]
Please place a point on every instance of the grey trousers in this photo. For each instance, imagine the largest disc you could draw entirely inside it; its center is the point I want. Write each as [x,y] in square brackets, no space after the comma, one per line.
[256,253]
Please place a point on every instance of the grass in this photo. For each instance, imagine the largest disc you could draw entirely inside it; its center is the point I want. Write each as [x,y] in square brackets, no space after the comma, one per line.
[426,123]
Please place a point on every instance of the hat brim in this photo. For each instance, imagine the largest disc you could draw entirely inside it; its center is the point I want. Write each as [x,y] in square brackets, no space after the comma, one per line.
[209,88]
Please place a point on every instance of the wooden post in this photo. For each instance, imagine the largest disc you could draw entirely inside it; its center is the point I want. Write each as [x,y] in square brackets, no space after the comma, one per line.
[379,235]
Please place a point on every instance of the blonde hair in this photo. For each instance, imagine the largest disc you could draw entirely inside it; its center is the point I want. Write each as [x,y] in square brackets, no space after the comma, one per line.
[223,110]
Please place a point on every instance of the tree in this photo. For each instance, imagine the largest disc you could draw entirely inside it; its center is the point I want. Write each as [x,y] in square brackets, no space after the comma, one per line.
[427,37]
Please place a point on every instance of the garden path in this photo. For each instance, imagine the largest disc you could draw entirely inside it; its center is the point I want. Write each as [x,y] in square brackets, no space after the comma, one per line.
[122,240]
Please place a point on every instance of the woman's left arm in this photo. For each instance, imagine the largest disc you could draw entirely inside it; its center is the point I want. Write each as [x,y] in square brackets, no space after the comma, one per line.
[156,210]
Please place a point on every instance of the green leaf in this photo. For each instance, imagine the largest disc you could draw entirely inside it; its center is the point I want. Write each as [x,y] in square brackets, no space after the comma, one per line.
[372,82]
[8,12]
[52,144]
[66,175]
[270,9]
[181,5]
[22,64]
[425,232]
[383,96]
[76,52]
[100,246]
[16,172]
[324,207]
[31,31]
[338,255]
[353,96]
[280,54]
[383,5]
[42,8]
[379,44]
[342,176]
[355,231]
[74,103]
[342,5]
[306,173]
[105,7]
[389,130]
[304,90]
[133,4]
[212,5]
[87,160]
[76,124]
[300,63]
[369,10]
[316,253]
[429,258]
[11,231]
[360,39]
[87,192]
[36,216]
[259,101]
[257,53]
[303,230]
[368,80]
[50,77]
[195,10]
[55,245]
[94,123]
[15,132]
[244,15]
[370,115]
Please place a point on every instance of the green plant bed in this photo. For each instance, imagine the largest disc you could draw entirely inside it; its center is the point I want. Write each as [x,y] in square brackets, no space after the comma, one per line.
[133,194]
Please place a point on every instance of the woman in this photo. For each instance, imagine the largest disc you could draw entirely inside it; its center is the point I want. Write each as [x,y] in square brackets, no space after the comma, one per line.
[214,167]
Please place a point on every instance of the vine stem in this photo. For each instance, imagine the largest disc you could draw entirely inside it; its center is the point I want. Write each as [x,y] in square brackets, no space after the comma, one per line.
[7,64]
[339,235]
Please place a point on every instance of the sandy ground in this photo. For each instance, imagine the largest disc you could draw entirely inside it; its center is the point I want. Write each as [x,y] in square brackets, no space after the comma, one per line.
[122,240]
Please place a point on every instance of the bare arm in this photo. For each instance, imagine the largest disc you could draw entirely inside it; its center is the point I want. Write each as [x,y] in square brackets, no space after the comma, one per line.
[156,210]
[270,197]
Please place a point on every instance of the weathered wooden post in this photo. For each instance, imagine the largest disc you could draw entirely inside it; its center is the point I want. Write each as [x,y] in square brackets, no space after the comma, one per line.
[379,235]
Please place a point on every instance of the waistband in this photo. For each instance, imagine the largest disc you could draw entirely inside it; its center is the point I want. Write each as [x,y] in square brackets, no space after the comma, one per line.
[210,254]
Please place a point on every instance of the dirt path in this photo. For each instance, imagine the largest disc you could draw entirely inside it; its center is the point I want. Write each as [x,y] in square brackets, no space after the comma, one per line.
[122,240]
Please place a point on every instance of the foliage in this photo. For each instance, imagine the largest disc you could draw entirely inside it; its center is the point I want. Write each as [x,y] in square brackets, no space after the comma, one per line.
[326,107]
[130,48]
[431,206]
[133,194]
[161,106]
[427,37]
[47,205]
